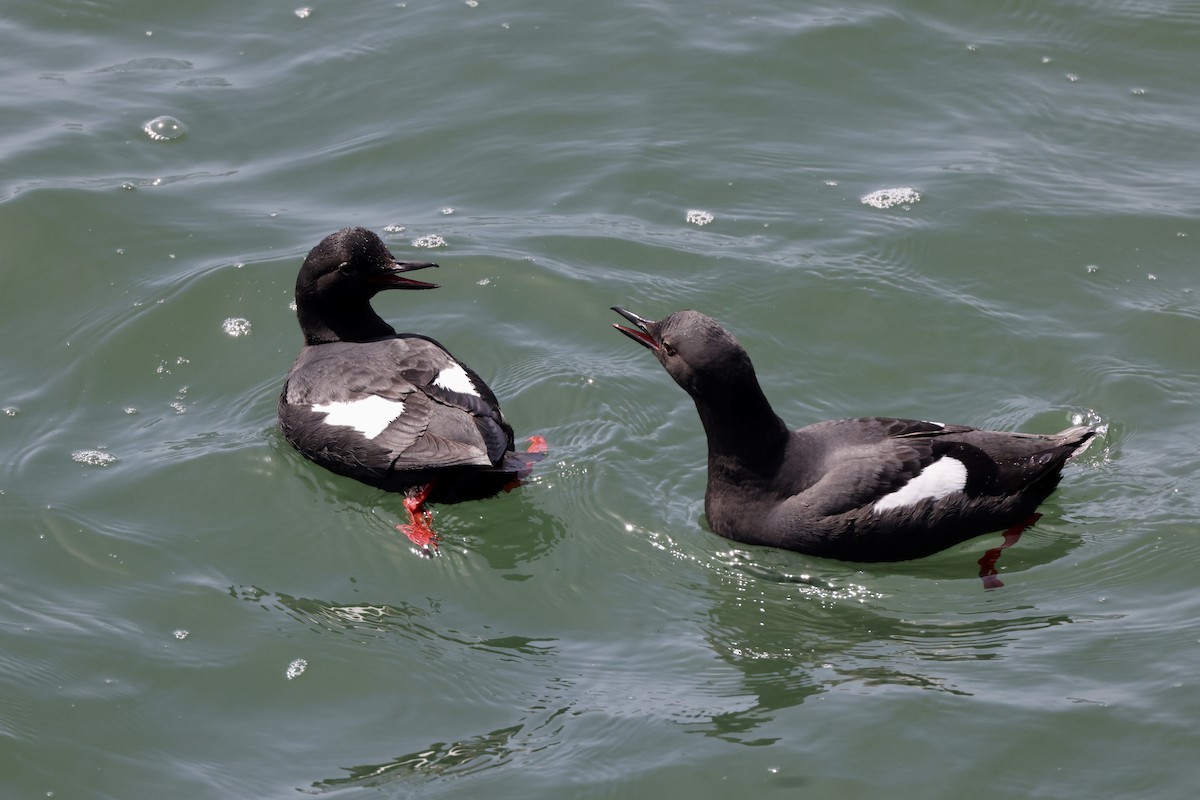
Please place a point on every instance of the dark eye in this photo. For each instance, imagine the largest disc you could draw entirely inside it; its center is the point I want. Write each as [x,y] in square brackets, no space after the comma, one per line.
[668,348]
[344,268]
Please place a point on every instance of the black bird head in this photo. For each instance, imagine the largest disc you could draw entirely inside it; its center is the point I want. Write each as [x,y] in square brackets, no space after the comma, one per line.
[337,281]
[356,261]
[695,350]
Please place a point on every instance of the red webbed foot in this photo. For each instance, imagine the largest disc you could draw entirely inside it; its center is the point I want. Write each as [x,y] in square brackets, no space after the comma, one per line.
[419,528]
[987,563]
[536,450]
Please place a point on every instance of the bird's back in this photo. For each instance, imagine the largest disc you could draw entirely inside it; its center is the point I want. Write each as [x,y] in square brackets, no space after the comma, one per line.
[875,489]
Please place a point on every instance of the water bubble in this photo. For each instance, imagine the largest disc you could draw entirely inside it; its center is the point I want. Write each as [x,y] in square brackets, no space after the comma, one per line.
[1092,420]
[11,411]
[303,13]
[698,217]
[181,634]
[1072,77]
[165,129]
[94,458]
[447,210]
[236,326]
[887,198]
[432,240]
[1138,91]
[1092,268]
[393,229]
[296,668]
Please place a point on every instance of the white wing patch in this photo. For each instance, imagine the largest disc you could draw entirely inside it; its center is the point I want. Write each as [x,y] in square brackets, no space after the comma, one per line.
[369,416]
[455,379]
[942,477]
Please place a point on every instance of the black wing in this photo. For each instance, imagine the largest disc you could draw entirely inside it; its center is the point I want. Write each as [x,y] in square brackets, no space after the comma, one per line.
[866,460]
[417,408]
[861,460]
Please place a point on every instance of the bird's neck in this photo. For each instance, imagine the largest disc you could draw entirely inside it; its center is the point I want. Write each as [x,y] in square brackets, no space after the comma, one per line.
[744,432]
[341,322]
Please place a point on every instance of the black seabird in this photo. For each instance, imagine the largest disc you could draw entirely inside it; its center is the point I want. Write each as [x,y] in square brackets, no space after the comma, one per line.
[868,489]
[393,410]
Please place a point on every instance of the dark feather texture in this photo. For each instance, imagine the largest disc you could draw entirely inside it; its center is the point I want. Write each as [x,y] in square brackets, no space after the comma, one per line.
[392,410]
[868,489]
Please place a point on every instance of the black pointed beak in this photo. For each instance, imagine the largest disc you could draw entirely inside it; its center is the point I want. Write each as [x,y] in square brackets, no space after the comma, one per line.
[390,277]
[644,332]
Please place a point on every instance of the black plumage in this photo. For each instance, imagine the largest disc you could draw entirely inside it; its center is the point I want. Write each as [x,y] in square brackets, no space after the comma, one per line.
[869,489]
[396,411]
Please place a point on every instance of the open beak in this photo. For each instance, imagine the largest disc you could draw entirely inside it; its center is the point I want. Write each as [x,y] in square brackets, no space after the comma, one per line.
[644,332]
[390,277]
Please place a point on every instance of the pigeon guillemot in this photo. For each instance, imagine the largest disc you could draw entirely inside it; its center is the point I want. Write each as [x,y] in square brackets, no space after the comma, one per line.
[396,411]
[871,489]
